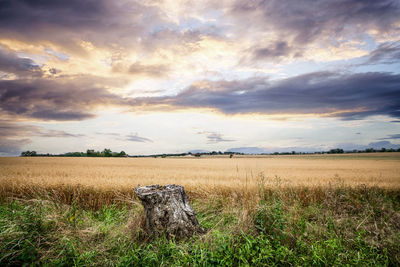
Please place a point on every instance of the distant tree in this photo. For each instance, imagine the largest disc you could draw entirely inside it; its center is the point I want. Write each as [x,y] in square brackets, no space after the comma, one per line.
[74,154]
[122,154]
[107,152]
[28,154]
[336,151]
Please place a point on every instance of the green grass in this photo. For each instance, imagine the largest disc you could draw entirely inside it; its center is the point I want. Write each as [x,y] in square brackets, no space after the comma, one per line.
[320,227]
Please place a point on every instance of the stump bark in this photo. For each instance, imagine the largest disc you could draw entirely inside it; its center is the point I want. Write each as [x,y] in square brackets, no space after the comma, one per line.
[168,211]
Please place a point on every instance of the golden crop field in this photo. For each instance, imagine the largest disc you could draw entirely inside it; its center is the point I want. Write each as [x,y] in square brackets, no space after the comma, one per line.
[204,175]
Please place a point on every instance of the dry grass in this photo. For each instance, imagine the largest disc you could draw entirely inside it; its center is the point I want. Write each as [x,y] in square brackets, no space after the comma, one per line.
[97,181]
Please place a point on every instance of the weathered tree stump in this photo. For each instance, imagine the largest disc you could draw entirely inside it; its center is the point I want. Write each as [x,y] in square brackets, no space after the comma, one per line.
[168,211]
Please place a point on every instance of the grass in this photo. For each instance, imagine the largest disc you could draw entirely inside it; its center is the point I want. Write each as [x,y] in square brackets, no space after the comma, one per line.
[318,227]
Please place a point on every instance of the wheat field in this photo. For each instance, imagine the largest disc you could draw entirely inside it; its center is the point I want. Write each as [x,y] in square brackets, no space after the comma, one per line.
[206,173]
[200,176]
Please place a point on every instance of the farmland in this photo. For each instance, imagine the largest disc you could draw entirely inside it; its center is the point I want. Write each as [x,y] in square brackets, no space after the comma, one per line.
[205,175]
[285,210]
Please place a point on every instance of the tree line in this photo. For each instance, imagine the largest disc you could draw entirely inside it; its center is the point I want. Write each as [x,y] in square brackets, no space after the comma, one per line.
[108,153]
[89,153]
[337,151]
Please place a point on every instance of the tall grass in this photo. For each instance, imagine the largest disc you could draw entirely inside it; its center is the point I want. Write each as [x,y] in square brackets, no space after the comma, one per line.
[203,175]
[324,226]
[97,182]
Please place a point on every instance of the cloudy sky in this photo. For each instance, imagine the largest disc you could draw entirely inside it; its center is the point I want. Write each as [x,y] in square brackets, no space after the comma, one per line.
[173,76]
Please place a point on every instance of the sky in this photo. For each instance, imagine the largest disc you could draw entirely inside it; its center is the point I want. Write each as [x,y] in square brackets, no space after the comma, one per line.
[150,77]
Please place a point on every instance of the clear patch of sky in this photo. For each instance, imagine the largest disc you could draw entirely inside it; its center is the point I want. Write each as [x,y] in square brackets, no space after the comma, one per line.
[394,68]
[59,55]
[208,24]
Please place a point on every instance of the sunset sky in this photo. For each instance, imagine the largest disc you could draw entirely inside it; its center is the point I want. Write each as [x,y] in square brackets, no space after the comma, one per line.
[174,76]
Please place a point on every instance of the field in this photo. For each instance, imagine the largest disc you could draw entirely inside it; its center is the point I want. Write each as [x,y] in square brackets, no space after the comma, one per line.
[203,176]
[258,210]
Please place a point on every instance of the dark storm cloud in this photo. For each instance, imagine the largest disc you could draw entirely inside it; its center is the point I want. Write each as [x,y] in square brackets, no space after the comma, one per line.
[307,20]
[349,96]
[144,25]
[11,63]
[386,53]
[279,49]
[50,100]
[136,138]
[116,25]
[22,15]
[272,52]
[49,19]
[298,23]
[101,22]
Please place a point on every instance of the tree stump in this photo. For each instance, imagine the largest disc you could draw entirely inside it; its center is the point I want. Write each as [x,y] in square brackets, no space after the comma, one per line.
[168,211]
